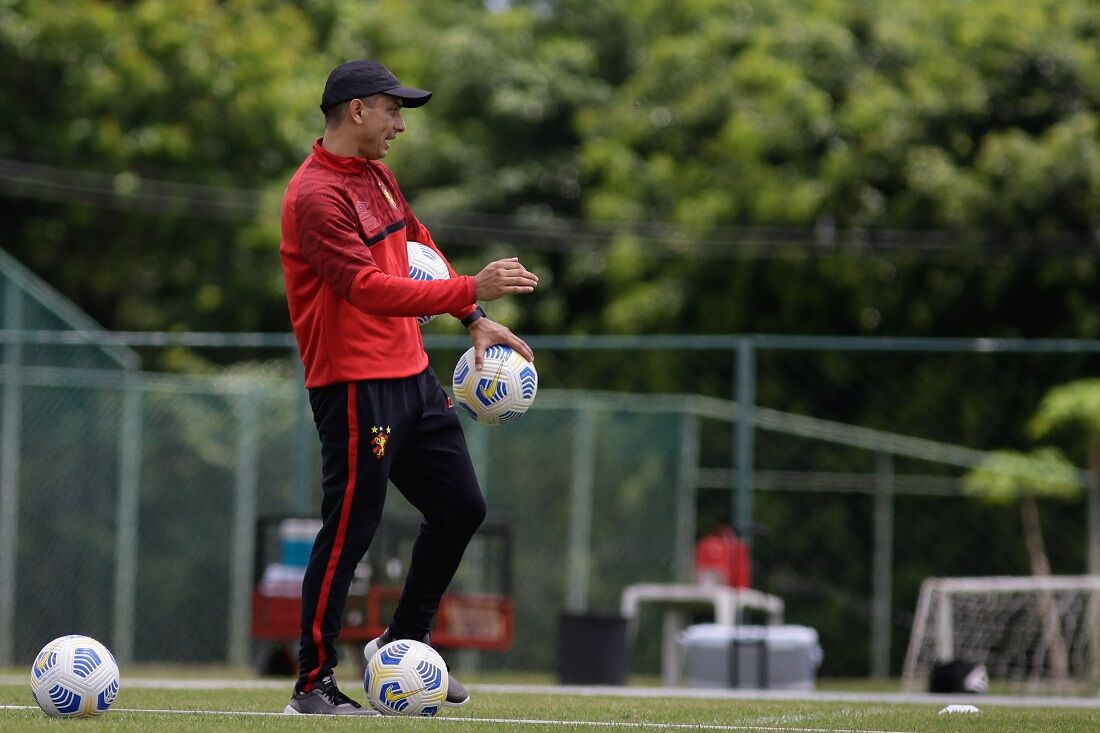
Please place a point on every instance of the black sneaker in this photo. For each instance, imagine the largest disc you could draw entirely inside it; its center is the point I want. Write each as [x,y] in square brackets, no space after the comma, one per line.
[456,691]
[325,699]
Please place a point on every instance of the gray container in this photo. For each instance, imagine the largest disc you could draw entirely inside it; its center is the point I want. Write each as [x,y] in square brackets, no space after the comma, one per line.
[756,657]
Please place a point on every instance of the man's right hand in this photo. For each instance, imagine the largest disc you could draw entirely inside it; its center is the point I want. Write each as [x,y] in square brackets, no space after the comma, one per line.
[486,332]
[504,277]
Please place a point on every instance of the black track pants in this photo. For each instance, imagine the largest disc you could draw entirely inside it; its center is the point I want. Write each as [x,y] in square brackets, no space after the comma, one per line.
[403,430]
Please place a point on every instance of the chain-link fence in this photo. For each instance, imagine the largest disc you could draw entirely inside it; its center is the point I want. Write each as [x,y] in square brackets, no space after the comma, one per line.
[129,499]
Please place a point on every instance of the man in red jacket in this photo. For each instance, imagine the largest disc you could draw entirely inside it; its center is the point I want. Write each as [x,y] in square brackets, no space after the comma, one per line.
[380,412]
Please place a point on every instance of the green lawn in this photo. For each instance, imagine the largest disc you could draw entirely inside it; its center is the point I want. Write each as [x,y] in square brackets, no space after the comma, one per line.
[494,711]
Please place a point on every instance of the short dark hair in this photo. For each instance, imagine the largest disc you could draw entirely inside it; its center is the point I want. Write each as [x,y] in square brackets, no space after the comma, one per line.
[335,114]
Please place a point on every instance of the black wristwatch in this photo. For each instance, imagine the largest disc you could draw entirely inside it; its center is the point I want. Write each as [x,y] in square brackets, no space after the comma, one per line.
[475,314]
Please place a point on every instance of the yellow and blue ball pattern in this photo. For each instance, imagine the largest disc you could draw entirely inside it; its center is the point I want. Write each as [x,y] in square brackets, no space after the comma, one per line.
[425,264]
[74,676]
[501,392]
[406,677]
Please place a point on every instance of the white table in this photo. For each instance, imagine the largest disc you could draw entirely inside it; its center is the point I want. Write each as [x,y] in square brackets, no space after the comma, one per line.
[678,599]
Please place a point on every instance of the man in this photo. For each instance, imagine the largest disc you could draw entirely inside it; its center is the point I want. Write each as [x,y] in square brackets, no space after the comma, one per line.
[380,412]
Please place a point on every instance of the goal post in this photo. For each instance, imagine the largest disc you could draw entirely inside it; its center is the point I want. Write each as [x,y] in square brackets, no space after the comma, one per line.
[1032,633]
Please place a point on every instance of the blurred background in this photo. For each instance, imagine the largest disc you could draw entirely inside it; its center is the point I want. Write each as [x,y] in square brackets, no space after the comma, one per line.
[804,264]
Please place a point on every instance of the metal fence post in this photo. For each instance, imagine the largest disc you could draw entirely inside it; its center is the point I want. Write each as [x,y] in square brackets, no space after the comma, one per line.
[883,565]
[1092,519]
[10,445]
[304,441]
[687,479]
[244,527]
[580,513]
[744,437]
[477,442]
[126,521]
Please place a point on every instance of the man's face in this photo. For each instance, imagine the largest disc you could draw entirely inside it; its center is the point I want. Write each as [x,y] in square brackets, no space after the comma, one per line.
[379,120]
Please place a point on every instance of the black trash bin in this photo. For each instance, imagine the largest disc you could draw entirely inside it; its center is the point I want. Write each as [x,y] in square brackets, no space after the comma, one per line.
[593,649]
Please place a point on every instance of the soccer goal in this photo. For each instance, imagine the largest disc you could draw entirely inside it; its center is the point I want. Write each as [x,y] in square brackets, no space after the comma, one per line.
[1034,634]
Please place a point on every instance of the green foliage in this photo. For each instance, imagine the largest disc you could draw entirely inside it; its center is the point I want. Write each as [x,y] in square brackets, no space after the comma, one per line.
[197,92]
[1006,476]
[1075,404]
[703,114]
[878,114]
[912,114]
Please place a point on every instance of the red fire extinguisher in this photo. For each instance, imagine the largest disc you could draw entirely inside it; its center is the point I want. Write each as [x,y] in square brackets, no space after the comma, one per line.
[723,558]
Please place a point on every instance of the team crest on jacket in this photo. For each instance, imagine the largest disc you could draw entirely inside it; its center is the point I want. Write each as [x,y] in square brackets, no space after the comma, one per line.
[387,194]
[366,216]
[380,439]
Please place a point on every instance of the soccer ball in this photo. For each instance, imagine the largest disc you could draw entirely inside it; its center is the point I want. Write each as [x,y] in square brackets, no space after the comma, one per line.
[406,677]
[426,264]
[502,392]
[74,677]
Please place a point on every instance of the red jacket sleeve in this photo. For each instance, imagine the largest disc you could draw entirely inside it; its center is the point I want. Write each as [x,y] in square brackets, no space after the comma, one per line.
[419,233]
[330,242]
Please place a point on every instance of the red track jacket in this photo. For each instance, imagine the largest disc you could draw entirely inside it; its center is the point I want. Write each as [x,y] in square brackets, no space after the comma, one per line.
[353,306]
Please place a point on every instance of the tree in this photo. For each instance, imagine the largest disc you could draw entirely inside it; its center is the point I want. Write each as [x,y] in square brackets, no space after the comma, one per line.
[1011,476]
[1076,407]
[695,118]
[192,93]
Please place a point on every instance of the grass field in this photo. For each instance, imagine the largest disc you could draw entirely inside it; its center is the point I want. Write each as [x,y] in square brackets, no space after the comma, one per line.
[146,706]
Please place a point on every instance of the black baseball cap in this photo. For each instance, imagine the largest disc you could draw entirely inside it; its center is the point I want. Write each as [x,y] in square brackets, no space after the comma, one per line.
[362,78]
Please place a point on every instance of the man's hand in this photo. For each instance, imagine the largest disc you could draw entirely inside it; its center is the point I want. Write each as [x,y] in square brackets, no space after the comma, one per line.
[484,332]
[504,277]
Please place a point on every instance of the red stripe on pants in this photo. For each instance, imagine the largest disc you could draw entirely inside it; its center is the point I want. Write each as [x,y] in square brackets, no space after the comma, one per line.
[341,534]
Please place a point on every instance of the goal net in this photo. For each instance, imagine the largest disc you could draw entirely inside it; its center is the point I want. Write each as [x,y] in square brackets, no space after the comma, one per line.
[1034,634]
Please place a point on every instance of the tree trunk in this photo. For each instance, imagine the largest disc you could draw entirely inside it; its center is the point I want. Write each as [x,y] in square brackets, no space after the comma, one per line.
[1040,567]
[1092,498]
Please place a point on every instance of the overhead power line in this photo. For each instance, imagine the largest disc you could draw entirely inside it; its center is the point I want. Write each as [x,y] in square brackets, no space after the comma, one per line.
[126,191]
[130,192]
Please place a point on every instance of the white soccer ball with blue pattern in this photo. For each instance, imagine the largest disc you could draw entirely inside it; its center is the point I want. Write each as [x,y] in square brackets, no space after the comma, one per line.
[502,392]
[406,677]
[74,677]
[426,264]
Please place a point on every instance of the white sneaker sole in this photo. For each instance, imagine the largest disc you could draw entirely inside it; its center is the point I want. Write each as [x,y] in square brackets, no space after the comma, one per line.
[369,652]
[289,710]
